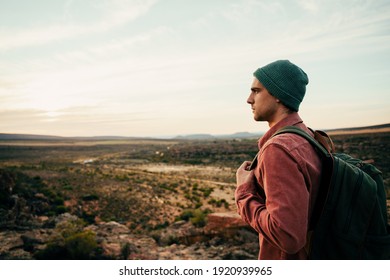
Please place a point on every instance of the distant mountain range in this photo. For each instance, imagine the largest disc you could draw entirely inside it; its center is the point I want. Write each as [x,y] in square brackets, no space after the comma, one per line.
[7,136]
[238,135]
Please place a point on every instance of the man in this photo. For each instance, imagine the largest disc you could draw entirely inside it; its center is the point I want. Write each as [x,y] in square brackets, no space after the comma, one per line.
[276,198]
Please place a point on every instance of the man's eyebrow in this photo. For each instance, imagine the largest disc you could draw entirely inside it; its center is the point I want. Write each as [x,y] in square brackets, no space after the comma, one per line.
[255,88]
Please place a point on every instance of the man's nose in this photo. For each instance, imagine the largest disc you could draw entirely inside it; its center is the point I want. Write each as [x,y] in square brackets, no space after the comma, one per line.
[250,99]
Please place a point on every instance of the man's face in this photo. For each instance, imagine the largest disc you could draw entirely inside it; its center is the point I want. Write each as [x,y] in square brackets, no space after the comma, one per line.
[263,104]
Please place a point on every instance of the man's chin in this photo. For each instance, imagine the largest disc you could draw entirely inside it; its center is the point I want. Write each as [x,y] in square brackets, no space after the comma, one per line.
[257,118]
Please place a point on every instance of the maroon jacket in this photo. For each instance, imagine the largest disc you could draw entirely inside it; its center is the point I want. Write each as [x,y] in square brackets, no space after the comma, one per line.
[279,199]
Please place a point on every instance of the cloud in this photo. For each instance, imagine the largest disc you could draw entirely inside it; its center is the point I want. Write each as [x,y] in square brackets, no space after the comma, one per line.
[312,6]
[122,11]
[335,32]
[72,121]
[241,11]
[113,13]
[19,121]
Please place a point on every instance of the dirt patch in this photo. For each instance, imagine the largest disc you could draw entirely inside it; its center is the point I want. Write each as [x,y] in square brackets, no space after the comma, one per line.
[169,168]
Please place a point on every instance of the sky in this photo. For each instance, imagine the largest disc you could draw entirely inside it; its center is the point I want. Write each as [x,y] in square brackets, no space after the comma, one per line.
[177,67]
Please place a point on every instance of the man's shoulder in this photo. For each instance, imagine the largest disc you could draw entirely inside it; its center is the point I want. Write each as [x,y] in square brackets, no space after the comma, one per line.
[287,141]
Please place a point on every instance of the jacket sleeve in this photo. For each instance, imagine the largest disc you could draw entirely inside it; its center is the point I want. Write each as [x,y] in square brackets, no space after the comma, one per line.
[281,215]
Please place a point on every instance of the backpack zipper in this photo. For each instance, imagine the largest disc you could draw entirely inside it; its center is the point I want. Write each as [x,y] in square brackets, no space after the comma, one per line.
[354,200]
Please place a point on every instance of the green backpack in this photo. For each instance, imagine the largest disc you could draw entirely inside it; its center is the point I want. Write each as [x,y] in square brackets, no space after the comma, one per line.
[349,220]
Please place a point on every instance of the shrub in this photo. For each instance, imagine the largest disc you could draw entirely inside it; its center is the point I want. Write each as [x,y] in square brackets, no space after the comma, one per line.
[60,209]
[219,202]
[126,250]
[58,200]
[198,205]
[90,197]
[186,215]
[206,192]
[68,187]
[81,245]
[161,226]
[70,242]
[199,218]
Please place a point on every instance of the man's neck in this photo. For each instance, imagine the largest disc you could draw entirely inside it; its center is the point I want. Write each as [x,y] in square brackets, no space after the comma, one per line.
[280,115]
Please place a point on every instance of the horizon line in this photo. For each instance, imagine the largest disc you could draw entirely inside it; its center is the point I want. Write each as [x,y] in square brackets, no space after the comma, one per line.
[183,136]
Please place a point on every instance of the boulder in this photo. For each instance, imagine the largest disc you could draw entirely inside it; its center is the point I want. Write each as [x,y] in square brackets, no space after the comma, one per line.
[118,242]
[227,223]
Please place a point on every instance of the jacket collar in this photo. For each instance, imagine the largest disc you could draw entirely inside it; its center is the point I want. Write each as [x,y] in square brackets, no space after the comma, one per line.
[291,119]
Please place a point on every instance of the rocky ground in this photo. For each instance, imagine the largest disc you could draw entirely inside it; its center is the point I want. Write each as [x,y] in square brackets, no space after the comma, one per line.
[181,240]
[30,228]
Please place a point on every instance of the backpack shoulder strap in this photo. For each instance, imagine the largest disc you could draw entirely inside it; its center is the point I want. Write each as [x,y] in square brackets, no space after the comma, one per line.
[321,146]
[321,141]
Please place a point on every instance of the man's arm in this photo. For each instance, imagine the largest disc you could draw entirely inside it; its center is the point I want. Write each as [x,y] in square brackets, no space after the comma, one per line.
[281,215]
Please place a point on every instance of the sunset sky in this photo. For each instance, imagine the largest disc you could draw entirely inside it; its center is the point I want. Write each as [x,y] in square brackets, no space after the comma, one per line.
[169,67]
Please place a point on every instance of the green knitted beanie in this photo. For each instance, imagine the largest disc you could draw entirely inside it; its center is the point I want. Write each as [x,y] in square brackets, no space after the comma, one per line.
[284,80]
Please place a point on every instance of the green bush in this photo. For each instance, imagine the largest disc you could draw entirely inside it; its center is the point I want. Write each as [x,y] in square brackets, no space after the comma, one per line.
[199,218]
[58,200]
[186,215]
[90,197]
[219,202]
[206,192]
[68,187]
[70,242]
[81,245]
[60,209]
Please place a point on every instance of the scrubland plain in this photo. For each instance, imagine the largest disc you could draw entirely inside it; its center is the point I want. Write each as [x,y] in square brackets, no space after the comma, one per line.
[148,184]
